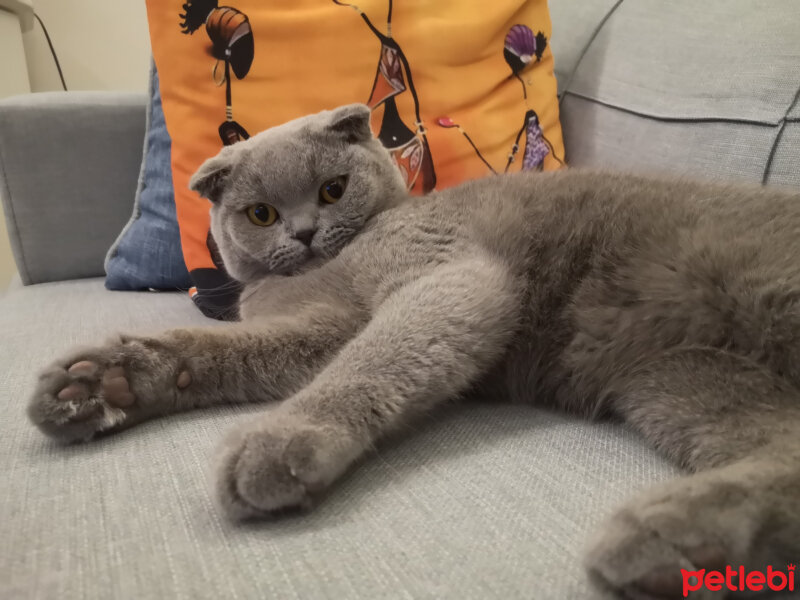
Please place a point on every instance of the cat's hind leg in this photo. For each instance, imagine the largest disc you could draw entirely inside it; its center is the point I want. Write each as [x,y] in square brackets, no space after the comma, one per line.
[736,426]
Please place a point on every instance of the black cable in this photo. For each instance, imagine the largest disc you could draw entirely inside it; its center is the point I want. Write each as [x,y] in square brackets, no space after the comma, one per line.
[52,51]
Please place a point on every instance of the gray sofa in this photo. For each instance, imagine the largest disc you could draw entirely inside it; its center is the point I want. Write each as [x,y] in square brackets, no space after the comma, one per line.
[489,501]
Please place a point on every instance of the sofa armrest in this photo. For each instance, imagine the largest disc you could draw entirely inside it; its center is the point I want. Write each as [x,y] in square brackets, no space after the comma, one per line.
[69,163]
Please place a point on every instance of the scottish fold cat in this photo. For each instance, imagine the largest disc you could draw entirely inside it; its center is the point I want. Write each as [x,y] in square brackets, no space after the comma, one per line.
[672,305]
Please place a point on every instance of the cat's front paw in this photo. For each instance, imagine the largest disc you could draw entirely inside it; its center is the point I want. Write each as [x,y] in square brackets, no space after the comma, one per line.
[280,463]
[102,388]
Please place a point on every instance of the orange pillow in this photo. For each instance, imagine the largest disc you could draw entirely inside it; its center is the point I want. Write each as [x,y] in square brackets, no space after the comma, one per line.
[459,89]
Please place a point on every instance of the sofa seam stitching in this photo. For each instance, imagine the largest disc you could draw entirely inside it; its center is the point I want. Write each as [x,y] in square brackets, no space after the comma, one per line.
[585,49]
[654,117]
[778,137]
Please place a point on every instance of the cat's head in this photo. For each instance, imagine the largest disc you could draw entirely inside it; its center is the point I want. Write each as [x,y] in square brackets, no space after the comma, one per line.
[294,195]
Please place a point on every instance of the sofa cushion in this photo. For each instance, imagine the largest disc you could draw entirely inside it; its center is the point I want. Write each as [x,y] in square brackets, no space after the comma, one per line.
[785,166]
[485,501]
[626,141]
[575,23]
[68,168]
[709,90]
[722,59]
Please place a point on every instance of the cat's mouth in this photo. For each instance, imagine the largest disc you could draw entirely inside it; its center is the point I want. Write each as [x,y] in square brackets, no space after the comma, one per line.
[313,256]
[302,258]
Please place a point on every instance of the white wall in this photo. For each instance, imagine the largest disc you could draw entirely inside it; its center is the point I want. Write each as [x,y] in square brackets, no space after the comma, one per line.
[102,45]
[13,82]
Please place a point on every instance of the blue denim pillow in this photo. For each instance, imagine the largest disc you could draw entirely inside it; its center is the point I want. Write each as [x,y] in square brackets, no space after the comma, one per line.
[147,254]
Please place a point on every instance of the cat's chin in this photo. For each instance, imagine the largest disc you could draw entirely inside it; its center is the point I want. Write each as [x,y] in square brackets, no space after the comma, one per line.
[310,259]
[313,262]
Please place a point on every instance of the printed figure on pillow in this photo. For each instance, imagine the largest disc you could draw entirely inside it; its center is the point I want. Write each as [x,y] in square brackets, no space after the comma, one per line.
[520,47]
[232,44]
[409,148]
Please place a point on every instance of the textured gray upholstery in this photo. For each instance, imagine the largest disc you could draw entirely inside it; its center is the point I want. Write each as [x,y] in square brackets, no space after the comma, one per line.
[487,502]
[575,23]
[785,167]
[68,169]
[708,89]
[623,140]
[794,112]
[723,59]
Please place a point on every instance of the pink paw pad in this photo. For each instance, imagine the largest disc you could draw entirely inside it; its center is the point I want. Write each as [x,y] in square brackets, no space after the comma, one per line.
[116,388]
[74,391]
[184,379]
[83,368]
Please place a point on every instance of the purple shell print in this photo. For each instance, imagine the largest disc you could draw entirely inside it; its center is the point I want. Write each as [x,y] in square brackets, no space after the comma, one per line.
[521,45]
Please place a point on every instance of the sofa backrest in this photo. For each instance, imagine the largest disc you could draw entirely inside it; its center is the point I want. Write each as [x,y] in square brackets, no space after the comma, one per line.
[709,89]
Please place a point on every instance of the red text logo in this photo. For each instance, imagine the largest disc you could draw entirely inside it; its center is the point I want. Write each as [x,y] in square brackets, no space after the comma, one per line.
[737,580]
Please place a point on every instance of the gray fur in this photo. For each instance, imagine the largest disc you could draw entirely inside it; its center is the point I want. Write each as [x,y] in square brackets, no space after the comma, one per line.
[672,305]
[312,149]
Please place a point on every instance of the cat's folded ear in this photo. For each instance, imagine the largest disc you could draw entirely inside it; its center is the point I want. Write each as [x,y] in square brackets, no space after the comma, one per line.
[211,178]
[352,122]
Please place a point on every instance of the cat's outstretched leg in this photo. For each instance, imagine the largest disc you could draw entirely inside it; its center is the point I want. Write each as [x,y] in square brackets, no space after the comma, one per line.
[130,379]
[737,426]
[425,344]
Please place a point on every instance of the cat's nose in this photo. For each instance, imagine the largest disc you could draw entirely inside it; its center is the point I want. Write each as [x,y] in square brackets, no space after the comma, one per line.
[305,235]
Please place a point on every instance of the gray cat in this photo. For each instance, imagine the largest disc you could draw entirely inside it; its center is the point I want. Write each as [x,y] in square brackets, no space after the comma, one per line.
[672,305]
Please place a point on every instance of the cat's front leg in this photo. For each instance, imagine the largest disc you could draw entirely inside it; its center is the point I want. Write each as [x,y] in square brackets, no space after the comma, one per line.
[426,343]
[130,379]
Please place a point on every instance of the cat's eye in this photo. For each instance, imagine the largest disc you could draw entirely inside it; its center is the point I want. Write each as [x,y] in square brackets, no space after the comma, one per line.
[332,190]
[262,215]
